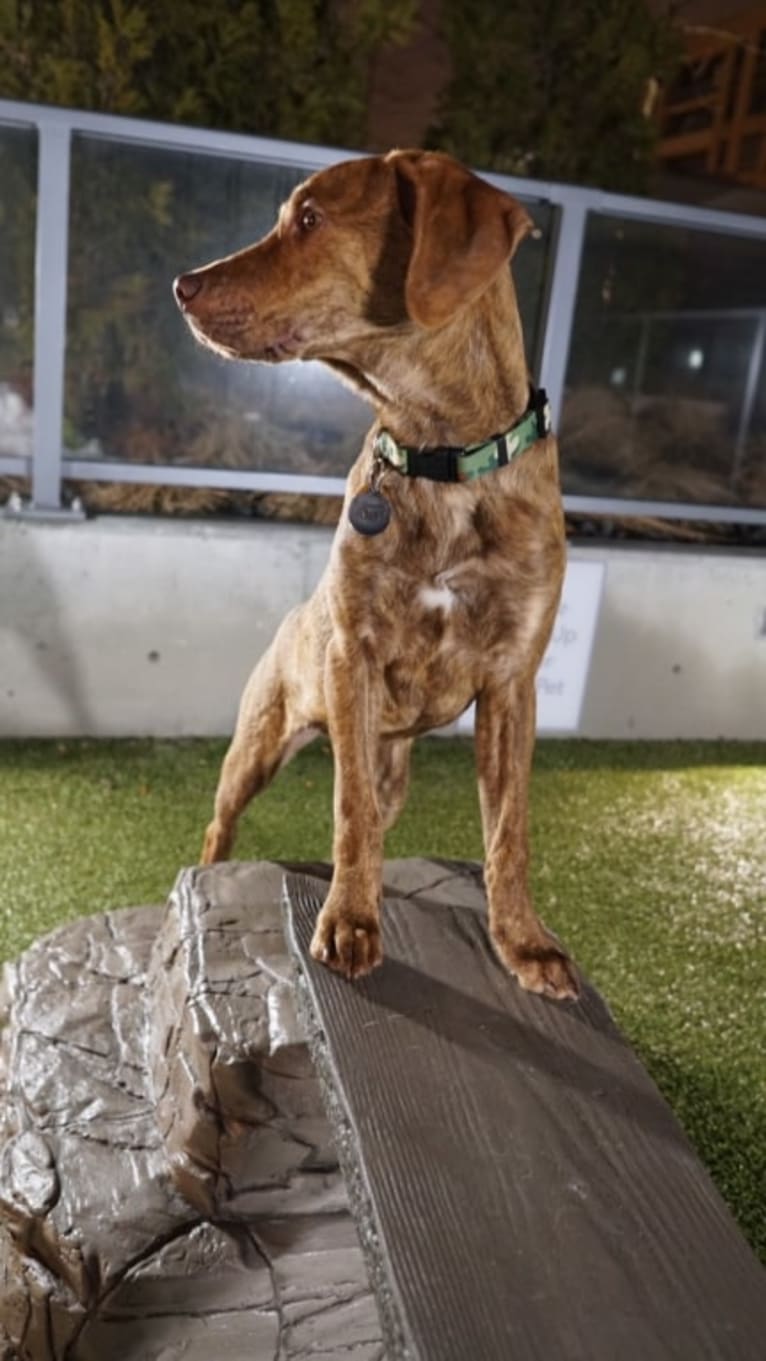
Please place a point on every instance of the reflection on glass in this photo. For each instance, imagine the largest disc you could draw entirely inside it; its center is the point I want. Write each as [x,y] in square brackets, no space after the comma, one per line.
[18,169]
[138,388]
[664,397]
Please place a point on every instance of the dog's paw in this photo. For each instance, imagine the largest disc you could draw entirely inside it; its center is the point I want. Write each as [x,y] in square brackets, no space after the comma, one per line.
[348,943]
[540,966]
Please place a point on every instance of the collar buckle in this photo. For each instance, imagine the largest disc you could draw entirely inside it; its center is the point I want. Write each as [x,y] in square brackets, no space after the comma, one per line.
[388,451]
[542,409]
[448,464]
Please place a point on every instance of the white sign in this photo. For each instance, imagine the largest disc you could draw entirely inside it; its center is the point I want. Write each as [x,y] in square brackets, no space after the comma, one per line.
[564,668]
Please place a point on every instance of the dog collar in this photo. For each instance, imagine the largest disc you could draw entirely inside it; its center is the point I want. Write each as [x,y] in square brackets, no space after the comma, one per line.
[462,464]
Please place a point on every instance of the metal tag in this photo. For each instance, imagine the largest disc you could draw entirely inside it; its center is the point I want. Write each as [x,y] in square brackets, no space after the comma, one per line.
[369,513]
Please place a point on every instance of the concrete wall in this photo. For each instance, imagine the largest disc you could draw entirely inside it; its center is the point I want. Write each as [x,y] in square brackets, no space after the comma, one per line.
[123,626]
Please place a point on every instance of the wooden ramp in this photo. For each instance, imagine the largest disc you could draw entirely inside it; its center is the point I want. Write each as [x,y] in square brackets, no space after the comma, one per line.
[522,1191]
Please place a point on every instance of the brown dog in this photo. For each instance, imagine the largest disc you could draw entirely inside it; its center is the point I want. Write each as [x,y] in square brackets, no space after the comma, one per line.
[394,271]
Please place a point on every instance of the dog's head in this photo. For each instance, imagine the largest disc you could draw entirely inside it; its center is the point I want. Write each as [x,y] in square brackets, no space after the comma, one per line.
[364,249]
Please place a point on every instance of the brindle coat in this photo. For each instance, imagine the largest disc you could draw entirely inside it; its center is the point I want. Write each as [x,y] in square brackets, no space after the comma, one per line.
[394,271]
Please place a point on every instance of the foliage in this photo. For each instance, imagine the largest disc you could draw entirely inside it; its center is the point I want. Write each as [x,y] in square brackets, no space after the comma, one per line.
[555,89]
[289,68]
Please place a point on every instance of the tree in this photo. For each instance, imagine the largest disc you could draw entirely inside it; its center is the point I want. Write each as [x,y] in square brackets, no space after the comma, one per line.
[548,88]
[286,68]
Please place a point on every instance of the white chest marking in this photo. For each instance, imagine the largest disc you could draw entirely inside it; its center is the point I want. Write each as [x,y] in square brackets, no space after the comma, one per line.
[437,597]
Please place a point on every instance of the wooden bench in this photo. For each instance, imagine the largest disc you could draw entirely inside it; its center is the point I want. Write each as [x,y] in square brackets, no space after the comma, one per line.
[521,1189]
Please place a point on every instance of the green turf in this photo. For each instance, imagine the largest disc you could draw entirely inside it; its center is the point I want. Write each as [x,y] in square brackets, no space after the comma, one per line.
[648,860]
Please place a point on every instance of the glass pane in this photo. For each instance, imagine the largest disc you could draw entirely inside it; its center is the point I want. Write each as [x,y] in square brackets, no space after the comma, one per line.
[18,173]
[138,387]
[530,267]
[664,394]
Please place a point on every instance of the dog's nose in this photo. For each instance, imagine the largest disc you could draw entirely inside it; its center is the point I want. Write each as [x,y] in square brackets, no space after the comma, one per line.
[186,287]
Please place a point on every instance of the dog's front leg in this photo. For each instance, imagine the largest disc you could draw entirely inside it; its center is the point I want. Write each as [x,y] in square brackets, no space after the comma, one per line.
[505,736]
[347,934]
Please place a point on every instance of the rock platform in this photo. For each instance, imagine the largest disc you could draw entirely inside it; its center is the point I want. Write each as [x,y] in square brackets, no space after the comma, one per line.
[521,1188]
[169,1189]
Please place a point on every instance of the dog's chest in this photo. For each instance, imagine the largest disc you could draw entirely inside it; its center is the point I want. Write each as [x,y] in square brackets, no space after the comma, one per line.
[436,617]
[439,603]
[453,612]
[438,598]
[447,594]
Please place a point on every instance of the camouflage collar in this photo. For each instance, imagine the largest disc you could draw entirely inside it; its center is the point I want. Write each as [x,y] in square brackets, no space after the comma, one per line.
[455,464]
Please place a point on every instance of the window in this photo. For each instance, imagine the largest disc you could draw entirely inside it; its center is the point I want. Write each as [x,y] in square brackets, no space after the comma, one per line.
[758,85]
[692,120]
[697,78]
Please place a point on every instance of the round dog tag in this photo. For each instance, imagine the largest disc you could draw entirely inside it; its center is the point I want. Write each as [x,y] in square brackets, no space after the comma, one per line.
[369,513]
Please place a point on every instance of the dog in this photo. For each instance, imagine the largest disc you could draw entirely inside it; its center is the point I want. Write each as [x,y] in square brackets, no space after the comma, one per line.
[446,569]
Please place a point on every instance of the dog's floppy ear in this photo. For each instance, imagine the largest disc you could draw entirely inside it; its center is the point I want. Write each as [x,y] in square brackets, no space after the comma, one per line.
[463,232]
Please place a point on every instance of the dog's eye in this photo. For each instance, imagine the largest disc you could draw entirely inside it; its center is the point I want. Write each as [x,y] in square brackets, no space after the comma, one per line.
[308,219]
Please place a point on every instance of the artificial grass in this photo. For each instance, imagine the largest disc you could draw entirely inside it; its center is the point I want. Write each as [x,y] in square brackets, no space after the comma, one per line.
[648,859]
